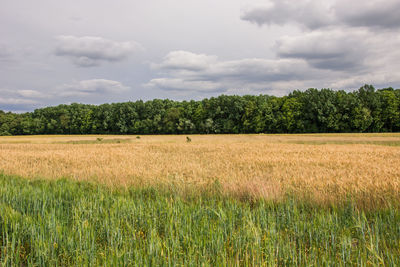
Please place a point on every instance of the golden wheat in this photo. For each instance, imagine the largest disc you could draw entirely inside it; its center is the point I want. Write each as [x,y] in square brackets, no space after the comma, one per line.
[323,168]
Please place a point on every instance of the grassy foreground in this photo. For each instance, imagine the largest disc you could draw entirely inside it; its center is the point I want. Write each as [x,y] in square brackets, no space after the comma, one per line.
[66,223]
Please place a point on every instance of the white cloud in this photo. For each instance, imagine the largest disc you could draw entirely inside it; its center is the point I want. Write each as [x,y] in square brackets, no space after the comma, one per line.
[32,94]
[186,60]
[89,51]
[18,97]
[92,87]
[16,101]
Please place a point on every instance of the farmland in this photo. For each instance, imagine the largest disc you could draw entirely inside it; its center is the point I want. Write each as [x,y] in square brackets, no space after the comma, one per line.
[216,200]
[325,168]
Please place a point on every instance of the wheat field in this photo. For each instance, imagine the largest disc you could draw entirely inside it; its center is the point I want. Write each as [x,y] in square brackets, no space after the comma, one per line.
[322,168]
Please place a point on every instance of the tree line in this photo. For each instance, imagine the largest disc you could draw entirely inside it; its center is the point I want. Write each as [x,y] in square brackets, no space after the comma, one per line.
[310,111]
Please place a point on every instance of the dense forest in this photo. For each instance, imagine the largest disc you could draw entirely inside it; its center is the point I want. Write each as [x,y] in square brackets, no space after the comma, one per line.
[310,111]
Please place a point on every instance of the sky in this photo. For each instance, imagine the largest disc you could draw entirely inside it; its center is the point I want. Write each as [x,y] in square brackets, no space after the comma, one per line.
[101,51]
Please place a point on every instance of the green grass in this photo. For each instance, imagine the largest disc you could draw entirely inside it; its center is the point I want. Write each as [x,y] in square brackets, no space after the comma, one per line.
[66,223]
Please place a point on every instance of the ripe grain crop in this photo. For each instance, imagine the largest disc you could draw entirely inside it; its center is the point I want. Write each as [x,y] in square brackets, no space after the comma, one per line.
[323,169]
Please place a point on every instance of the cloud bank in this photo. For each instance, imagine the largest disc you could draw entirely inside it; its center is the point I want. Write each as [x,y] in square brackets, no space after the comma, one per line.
[188,71]
[339,44]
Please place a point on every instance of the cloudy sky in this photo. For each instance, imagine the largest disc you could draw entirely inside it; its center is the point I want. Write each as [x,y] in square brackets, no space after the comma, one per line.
[98,51]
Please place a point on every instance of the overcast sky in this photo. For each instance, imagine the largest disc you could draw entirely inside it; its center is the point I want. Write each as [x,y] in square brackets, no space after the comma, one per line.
[101,51]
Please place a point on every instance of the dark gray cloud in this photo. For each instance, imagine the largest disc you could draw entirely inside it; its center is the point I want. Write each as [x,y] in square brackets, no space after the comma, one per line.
[309,13]
[350,38]
[89,51]
[336,49]
[374,14]
[314,14]
[92,87]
